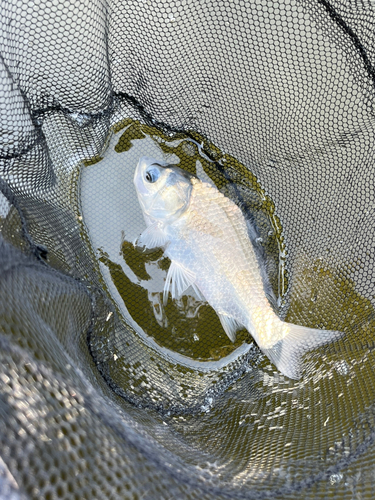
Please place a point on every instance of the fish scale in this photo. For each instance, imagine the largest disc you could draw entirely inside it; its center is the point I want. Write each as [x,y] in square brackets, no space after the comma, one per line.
[234,259]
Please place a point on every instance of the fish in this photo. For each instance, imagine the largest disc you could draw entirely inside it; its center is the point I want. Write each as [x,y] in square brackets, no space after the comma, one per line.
[206,237]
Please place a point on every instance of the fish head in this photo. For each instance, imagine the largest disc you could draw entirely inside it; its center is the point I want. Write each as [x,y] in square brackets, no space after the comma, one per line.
[163,190]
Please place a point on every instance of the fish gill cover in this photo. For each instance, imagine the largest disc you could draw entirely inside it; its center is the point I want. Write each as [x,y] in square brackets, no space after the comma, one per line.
[104,391]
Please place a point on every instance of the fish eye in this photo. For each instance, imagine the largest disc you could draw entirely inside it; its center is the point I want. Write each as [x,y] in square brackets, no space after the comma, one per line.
[152,175]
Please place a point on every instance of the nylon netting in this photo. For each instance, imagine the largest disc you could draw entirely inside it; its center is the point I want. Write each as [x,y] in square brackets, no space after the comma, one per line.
[104,391]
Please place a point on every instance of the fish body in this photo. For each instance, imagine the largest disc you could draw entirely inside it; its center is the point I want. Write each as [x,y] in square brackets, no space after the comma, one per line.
[205,235]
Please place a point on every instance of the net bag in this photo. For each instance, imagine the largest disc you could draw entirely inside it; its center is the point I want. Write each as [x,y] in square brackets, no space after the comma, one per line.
[107,392]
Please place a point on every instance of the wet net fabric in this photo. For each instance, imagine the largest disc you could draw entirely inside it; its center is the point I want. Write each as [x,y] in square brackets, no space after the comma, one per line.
[105,394]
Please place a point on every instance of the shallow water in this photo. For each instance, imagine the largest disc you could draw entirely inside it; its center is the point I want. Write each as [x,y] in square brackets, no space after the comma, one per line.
[135,279]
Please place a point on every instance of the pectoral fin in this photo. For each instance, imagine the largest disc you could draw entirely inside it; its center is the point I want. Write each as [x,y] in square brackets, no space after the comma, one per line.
[230,326]
[152,237]
[178,280]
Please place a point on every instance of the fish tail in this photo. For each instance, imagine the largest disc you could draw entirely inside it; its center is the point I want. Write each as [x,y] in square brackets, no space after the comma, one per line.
[287,353]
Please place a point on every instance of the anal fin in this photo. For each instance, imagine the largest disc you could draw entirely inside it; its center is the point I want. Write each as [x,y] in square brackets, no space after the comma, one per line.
[230,325]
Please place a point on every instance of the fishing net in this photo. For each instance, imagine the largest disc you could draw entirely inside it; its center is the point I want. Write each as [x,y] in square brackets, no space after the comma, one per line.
[106,392]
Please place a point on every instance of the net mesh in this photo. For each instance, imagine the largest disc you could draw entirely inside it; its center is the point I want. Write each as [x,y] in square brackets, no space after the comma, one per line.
[104,391]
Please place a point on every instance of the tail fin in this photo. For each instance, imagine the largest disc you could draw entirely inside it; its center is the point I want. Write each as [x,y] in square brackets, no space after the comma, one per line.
[287,353]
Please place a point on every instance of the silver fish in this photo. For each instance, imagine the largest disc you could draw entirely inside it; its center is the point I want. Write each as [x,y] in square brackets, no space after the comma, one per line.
[206,237]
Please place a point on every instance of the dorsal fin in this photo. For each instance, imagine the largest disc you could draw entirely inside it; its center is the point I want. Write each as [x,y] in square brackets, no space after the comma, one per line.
[230,325]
